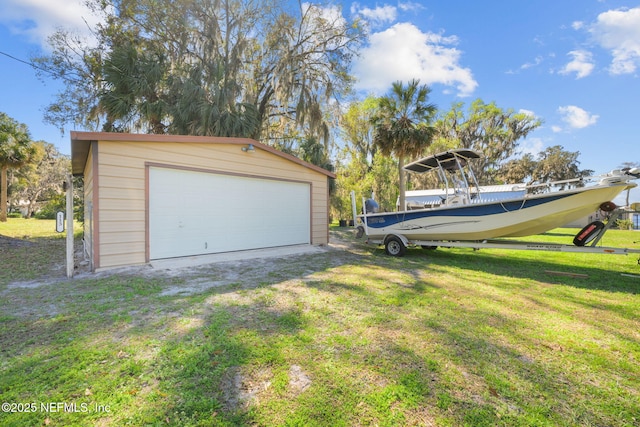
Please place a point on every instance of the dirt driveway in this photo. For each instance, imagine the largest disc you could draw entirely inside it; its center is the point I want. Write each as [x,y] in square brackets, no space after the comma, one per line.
[49,295]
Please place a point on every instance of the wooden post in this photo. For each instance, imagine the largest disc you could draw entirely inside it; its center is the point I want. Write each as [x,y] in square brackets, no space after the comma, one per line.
[70,263]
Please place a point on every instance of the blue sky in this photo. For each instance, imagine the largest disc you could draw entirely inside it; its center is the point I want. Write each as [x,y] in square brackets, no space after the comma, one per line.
[573,63]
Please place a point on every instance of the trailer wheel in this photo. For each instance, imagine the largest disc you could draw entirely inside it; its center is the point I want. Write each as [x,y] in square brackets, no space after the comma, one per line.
[393,246]
[359,232]
[588,233]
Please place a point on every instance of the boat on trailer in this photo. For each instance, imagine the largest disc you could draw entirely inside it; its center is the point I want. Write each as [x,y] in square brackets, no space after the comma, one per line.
[466,213]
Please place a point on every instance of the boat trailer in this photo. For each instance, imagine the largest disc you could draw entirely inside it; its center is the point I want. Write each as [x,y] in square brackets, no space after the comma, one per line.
[585,241]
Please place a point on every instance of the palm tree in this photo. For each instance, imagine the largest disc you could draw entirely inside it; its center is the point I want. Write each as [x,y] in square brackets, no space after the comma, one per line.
[134,90]
[403,125]
[204,103]
[15,150]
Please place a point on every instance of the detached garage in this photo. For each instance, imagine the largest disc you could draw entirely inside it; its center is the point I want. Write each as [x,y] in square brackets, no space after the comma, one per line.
[149,197]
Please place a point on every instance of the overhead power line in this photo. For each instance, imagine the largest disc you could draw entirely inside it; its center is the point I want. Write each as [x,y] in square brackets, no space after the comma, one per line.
[32,65]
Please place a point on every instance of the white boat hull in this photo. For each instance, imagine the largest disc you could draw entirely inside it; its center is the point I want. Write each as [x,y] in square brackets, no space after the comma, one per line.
[526,216]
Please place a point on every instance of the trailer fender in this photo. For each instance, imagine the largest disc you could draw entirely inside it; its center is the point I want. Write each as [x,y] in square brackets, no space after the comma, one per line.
[395,244]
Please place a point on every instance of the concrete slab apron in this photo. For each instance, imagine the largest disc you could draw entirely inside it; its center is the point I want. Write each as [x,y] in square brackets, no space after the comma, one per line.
[195,261]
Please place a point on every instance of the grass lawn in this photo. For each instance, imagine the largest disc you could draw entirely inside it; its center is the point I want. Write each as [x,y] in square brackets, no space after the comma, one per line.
[345,337]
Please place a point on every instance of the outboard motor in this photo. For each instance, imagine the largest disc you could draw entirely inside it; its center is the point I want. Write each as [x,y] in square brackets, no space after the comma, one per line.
[371,206]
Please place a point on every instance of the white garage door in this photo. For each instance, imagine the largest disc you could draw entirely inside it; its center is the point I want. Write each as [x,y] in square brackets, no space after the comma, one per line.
[194,213]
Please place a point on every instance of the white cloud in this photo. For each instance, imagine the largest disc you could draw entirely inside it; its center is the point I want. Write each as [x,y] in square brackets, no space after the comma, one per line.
[376,17]
[581,64]
[403,52]
[38,19]
[576,25]
[619,31]
[332,14]
[532,146]
[537,61]
[527,112]
[409,6]
[575,117]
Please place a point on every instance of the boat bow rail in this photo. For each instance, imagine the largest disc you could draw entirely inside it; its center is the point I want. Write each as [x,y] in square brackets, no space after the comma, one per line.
[616,176]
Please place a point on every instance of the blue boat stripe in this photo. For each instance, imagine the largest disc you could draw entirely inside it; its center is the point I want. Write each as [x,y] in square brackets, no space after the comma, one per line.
[472,210]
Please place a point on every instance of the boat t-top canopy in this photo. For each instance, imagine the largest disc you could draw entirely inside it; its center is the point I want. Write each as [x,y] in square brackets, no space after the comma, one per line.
[448,160]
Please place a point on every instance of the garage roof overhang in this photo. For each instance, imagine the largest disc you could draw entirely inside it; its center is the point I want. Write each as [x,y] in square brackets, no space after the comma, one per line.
[81,143]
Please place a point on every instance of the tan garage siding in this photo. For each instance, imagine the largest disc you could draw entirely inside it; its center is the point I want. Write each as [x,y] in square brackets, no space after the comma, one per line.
[88,208]
[123,184]
[122,207]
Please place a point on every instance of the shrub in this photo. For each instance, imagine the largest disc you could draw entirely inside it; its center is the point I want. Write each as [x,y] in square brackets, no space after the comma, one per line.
[51,207]
[624,224]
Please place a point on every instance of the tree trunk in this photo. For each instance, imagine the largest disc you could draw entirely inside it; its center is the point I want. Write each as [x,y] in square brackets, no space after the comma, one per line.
[402,186]
[32,207]
[3,193]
